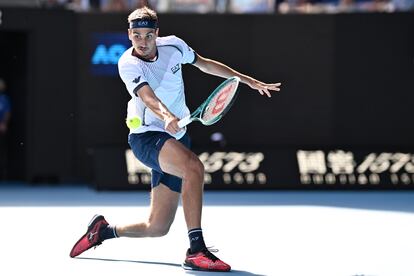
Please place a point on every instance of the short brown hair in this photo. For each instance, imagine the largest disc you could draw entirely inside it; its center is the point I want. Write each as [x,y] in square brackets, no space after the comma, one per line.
[143,13]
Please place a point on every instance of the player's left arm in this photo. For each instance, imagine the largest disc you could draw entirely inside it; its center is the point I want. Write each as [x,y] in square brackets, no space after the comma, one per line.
[216,68]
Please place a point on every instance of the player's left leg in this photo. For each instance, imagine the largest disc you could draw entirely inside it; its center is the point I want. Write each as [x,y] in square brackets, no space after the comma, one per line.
[176,159]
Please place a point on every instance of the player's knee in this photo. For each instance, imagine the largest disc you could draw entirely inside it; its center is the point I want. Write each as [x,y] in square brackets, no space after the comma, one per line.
[159,230]
[195,167]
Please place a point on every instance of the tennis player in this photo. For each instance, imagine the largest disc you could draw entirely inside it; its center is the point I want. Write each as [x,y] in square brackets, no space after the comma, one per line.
[151,71]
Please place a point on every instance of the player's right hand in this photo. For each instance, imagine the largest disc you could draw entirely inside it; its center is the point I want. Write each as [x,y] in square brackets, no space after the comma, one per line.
[171,125]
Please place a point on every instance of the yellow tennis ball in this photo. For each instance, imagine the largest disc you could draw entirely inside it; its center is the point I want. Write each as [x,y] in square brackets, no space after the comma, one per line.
[133,122]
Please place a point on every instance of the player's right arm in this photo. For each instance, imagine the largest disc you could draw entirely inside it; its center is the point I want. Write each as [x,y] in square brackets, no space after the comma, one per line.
[137,86]
[151,101]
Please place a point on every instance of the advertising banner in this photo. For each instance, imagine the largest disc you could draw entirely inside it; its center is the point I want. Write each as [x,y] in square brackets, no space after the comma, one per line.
[278,169]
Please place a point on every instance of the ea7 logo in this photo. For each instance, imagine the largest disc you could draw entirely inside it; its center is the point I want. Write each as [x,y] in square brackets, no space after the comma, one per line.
[175,68]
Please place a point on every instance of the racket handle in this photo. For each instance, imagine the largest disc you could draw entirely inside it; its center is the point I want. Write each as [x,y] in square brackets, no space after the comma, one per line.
[184,121]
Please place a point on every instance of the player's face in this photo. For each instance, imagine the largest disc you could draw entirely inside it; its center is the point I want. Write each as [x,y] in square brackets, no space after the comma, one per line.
[143,40]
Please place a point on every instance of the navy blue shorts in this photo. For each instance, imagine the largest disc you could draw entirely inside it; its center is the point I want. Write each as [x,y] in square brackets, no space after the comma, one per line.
[146,148]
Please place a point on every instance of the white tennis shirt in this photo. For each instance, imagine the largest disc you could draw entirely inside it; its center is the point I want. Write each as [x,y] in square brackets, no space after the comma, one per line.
[163,75]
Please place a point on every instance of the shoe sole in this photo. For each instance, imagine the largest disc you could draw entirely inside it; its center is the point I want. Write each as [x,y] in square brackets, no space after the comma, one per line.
[90,226]
[191,267]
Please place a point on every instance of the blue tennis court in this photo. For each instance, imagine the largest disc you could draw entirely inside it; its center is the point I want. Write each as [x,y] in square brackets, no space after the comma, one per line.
[258,233]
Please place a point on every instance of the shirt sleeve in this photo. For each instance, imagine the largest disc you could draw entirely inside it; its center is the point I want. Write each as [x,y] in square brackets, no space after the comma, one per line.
[189,55]
[133,78]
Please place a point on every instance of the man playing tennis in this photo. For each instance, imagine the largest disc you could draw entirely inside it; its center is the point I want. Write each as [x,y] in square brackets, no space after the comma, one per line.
[151,71]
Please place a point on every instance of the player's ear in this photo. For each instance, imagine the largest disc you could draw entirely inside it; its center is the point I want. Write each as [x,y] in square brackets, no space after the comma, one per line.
[157,31]
[129,34]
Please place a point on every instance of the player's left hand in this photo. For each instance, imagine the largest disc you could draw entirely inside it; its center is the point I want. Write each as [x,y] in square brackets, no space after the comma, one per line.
[264,88]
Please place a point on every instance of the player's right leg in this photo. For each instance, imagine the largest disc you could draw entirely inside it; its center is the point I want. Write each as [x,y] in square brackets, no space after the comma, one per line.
[92,236]
[164,203]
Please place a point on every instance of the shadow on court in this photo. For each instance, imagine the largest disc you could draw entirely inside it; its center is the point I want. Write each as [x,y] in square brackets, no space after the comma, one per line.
[129,261]
[191,272]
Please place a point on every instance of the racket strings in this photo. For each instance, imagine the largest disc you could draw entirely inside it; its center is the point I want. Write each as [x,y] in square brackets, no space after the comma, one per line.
[218,104]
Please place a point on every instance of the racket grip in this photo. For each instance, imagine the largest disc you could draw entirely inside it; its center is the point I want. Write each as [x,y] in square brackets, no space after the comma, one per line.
[184,121]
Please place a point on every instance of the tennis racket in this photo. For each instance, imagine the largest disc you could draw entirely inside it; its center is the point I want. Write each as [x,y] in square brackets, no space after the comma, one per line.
[216,105]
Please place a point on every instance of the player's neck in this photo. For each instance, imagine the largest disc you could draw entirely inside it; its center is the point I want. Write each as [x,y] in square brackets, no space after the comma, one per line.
[150,57]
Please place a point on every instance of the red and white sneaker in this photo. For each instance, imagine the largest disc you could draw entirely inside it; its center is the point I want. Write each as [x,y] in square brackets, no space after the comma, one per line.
[204,260]
[91,237]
